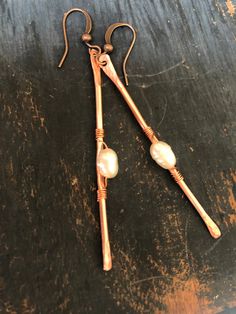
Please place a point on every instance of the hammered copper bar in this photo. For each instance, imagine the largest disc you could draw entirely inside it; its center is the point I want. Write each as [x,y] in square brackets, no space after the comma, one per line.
[107,262]
[109,70]
[101,181]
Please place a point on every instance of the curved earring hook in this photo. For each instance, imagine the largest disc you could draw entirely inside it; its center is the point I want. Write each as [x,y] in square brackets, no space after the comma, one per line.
[108,46]
[86,37]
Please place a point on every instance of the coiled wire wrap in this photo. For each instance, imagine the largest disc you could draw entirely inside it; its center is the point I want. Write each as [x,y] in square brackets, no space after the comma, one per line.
[149,132]
[99,133]
[176,175]
[101,194]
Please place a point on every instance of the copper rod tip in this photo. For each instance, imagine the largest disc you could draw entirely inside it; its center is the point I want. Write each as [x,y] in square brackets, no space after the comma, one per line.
[214,230]
[107,263]
[106,252]
[107,267]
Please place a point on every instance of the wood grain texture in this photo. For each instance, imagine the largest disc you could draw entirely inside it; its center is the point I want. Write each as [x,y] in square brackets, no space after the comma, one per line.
[182,74]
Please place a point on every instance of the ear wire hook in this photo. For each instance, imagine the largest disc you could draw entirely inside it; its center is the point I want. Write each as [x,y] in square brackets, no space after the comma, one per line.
[86,37]
[109,48]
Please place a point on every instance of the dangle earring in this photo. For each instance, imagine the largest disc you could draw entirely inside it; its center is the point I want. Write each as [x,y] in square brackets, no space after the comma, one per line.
[160,151]
[106,158]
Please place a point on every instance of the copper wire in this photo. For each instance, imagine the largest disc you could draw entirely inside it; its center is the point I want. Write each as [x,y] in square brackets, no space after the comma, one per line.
[99,133]
[176,175]
[108,36]
[149,132]
[101,194]
[88,29]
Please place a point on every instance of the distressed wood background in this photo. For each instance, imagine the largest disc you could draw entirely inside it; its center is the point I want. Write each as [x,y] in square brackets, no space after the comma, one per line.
[182,75]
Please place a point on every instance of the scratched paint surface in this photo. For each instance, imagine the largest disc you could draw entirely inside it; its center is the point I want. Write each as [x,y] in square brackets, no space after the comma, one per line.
[182,74]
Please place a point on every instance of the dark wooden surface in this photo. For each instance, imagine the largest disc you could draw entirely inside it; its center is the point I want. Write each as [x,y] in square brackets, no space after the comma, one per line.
[182,75]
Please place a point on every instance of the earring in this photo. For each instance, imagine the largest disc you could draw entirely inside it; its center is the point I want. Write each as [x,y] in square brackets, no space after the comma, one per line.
[160,151]
[106,158]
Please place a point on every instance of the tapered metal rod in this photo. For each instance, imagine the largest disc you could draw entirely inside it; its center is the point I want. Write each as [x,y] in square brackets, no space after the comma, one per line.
[211,225]
[109,70]
[101,181]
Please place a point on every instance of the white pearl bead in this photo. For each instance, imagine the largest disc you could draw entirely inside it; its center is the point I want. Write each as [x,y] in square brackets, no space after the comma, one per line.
[163,155]
[107,163]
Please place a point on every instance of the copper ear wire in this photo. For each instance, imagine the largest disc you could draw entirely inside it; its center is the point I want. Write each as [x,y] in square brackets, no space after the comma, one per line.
[108,47]
[86,37]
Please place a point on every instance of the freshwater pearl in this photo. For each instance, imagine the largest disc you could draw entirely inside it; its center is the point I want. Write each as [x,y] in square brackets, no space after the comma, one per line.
[163,155]
[107,163]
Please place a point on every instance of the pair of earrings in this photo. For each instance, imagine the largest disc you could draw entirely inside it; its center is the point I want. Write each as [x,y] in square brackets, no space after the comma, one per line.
[107,161]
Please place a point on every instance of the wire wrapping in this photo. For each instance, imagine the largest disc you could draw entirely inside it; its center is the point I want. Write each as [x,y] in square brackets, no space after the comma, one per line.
[176,175]
[149,132]
[99,133]
[101,194]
